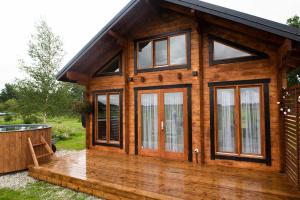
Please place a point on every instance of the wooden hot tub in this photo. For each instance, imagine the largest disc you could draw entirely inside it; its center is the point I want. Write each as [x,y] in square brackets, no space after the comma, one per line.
[14,150]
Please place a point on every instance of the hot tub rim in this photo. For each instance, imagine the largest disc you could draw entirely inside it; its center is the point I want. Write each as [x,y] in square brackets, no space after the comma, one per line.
[46,126]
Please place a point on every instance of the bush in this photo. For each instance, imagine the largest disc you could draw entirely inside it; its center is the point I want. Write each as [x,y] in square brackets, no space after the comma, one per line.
[31,119]
[8,118]
[61,132]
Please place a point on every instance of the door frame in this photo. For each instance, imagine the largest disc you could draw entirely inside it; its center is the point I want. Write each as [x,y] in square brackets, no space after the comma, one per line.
[189,111]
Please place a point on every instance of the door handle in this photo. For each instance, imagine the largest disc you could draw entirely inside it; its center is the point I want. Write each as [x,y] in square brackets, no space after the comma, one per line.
[162,125]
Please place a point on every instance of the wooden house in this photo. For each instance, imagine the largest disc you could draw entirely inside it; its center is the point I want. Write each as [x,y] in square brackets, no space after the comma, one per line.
[187,80]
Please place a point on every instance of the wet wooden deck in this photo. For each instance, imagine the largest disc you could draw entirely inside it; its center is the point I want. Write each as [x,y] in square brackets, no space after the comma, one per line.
[119,176]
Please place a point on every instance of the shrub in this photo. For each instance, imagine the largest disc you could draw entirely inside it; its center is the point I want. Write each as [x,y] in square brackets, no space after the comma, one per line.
[61,132]
[31,119]
[8,118]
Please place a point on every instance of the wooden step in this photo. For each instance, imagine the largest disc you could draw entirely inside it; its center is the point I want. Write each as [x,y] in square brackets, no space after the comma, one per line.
[42,143]
[38,144]
[43,155]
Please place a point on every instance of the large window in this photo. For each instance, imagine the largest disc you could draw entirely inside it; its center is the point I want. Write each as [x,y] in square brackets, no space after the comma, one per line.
[169,51]
[108,123]
[239,120]
[223,51]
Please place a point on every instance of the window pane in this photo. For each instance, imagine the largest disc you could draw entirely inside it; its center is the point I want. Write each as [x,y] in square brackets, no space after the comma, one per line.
[101,117]
[174,122]
[114,101]
[161,52]
[149,118]
[111,67]
[144,54]
[226,129]
[222,52]
[178,50]
[250,120]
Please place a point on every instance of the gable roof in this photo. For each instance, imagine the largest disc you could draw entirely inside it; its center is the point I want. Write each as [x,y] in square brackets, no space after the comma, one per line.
[225,13]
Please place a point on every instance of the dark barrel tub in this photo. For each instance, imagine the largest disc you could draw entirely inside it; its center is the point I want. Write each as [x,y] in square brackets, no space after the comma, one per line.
[14,151]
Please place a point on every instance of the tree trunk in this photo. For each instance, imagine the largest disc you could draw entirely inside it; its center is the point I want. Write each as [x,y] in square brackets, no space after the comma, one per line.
[45,118]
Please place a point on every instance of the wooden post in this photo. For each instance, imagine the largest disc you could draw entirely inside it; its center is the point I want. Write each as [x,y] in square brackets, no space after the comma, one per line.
[297,135]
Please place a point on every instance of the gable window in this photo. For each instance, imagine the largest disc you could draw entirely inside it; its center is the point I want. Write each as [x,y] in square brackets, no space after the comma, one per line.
[112,67]
[223,51]
[108,118]
[240,114]
[166,51]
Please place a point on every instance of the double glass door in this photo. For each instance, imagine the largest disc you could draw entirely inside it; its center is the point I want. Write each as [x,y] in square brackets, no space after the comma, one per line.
[163,123]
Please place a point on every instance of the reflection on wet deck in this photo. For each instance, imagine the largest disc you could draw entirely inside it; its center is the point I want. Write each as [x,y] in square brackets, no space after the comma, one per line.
[111,176]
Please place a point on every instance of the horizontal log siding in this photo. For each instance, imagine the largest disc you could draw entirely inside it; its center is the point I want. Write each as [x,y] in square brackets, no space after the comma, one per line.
[171,22]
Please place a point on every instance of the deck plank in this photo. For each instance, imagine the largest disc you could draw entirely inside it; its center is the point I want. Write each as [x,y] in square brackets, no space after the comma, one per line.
[111,176]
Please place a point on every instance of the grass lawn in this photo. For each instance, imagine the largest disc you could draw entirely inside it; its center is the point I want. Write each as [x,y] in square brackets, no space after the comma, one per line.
[42,191]
[76,141]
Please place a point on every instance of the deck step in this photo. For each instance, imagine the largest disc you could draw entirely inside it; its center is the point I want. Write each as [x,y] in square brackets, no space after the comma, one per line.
[43,155]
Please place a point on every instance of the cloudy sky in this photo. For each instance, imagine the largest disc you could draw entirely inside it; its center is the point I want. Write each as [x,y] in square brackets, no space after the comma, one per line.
[77,21]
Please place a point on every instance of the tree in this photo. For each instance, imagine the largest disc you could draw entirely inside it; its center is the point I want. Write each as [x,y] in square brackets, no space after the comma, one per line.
[294,21]
[8,92]
[293,76]
[40,93]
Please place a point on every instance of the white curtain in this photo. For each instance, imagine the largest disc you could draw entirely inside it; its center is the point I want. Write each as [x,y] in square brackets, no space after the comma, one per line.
[149,121]
[174,140]
[226,134]
[250,115]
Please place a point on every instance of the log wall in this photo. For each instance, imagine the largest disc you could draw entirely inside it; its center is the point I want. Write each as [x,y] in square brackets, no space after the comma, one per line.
[169,22]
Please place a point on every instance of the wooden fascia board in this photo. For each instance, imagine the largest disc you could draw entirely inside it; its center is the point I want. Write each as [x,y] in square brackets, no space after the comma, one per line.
[81,79]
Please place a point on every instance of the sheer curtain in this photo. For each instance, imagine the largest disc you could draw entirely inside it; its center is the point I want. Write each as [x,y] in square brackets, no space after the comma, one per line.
[149,121]
[250,120]
[226,133]
[174,140]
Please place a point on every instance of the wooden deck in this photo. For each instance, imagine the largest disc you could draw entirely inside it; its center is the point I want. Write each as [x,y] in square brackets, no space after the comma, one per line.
[119,176]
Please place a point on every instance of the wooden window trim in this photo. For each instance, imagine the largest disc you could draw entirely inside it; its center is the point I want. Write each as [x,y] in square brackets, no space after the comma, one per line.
[107,93]
[120,72]
[265,156]
[257,55]
[163,36]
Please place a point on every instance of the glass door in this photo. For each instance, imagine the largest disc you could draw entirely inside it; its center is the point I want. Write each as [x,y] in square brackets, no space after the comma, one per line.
[163,123]
[149,122]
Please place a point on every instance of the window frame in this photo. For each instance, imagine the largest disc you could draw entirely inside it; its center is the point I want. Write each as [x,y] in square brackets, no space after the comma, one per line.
[107,142]
[265,156]
[256,55]
[163,36]
[117,56]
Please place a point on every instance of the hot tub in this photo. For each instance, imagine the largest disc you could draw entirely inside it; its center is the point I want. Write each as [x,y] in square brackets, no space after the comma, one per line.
[14,151]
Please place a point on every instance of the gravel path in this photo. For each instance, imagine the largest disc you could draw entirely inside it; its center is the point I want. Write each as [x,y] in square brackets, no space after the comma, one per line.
[16,180]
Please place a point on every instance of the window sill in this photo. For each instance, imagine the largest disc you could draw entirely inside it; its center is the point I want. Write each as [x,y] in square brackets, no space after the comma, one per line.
[107,144]
[185,66]
[239,158]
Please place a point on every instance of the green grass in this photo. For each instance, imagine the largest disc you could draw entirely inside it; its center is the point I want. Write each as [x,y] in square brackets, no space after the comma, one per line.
[76,140]
[41,191]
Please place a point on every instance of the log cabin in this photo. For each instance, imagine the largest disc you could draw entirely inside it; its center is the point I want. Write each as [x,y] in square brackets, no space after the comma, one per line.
[189,81]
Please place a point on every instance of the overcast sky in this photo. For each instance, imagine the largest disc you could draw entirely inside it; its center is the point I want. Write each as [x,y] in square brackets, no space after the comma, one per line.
[77,21]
